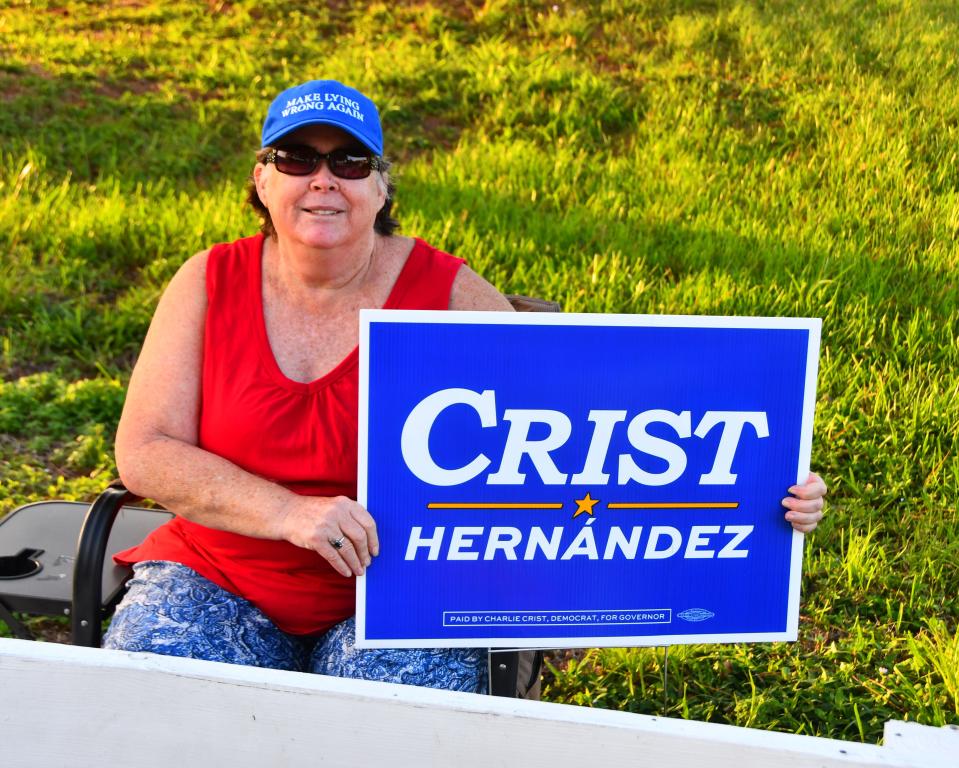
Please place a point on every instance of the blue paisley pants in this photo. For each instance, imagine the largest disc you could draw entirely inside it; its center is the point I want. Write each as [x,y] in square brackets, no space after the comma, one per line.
[171,610]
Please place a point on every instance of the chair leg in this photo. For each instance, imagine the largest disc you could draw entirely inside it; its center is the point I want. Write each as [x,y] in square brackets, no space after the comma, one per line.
[504,667]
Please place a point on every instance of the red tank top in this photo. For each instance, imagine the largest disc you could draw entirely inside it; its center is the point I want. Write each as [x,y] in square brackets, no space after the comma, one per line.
[301,435]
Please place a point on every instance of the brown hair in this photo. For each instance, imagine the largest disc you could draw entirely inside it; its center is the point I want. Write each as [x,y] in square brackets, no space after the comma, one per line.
[384,224]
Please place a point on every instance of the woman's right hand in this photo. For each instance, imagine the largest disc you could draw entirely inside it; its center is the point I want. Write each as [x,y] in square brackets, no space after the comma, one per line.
[317,523]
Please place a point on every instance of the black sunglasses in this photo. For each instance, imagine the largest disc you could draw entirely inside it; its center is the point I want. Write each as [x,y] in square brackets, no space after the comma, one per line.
[343,163]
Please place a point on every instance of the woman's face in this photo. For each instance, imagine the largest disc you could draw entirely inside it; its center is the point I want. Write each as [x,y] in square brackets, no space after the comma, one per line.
[320,210]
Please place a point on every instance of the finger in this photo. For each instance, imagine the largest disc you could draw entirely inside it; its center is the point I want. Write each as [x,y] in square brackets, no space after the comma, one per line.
[333,557]
[374,541]
[803,505]
[802,521]
[356,536]
[365,520]
[813,488]
[347,551]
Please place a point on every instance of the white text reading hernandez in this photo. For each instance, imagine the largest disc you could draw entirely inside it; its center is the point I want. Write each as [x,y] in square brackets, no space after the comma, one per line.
[508,543]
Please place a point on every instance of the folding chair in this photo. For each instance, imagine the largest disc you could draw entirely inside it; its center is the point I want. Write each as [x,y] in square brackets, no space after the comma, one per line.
[48,569]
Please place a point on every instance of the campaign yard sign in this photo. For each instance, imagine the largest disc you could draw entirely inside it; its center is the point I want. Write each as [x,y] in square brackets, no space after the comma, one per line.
[557,480]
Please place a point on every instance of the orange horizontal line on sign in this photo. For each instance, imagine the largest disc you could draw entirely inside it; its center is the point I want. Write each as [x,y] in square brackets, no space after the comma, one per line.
[490,505]
[674,505]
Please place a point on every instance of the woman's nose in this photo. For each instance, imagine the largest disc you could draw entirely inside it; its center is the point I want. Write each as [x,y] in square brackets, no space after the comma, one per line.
[323,177]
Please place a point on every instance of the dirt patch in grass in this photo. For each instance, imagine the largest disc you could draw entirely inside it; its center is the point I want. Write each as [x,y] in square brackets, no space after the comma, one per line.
[113,90]
[15,76]
[51,630]
[47,629]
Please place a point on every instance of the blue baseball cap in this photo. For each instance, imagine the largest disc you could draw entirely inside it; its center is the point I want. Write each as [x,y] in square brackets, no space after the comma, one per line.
[325,102]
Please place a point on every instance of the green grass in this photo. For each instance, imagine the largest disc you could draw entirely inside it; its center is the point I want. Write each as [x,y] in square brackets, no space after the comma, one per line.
[678,156]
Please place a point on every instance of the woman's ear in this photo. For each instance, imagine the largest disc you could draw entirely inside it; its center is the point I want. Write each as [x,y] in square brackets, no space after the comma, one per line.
[382,187]
[260,176]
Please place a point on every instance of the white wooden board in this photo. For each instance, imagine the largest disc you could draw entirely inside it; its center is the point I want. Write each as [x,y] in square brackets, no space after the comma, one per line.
[67,706]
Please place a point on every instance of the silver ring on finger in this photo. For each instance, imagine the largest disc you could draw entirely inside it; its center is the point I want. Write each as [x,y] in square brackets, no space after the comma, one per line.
[337,543]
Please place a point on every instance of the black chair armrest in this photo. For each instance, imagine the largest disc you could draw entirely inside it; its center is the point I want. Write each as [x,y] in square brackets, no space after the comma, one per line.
[87,612]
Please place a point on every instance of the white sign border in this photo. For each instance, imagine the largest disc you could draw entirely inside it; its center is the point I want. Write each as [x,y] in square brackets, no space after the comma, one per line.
[429,316]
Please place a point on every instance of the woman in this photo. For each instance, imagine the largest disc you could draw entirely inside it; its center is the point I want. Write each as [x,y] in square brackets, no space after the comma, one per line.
[241,415]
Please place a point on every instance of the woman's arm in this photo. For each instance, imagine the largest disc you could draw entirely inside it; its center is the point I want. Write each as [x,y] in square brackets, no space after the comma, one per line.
[158,457]
[470,291]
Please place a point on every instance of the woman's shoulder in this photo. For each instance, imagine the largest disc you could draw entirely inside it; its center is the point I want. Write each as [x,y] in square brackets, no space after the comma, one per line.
[194,269]
[466,289]
[195,274]
[470,291]
[414,259]
[198,261]
[187,287]
[231,264]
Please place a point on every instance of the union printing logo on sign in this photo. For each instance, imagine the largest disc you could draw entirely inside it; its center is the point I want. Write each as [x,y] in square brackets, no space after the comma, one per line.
[695,614]
[517,505]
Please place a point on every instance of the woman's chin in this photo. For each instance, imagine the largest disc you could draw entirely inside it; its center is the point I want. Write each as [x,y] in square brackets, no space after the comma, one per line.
[320,235]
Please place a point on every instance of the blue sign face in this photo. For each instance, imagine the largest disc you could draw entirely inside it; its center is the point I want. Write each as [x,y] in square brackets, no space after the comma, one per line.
[546,480]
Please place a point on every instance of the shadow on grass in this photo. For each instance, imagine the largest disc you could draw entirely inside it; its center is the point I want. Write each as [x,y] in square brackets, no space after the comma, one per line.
[131,131]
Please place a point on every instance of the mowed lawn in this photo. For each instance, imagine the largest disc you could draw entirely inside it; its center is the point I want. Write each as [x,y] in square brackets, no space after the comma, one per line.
[728,157]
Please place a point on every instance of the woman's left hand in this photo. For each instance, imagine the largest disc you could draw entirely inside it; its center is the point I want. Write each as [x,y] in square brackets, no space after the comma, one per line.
[806,503]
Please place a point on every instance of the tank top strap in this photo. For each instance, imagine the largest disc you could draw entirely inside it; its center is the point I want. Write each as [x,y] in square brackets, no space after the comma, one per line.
[426,280]
[231,266]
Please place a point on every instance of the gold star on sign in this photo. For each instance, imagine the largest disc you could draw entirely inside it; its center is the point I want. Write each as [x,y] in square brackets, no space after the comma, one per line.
[586,505]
